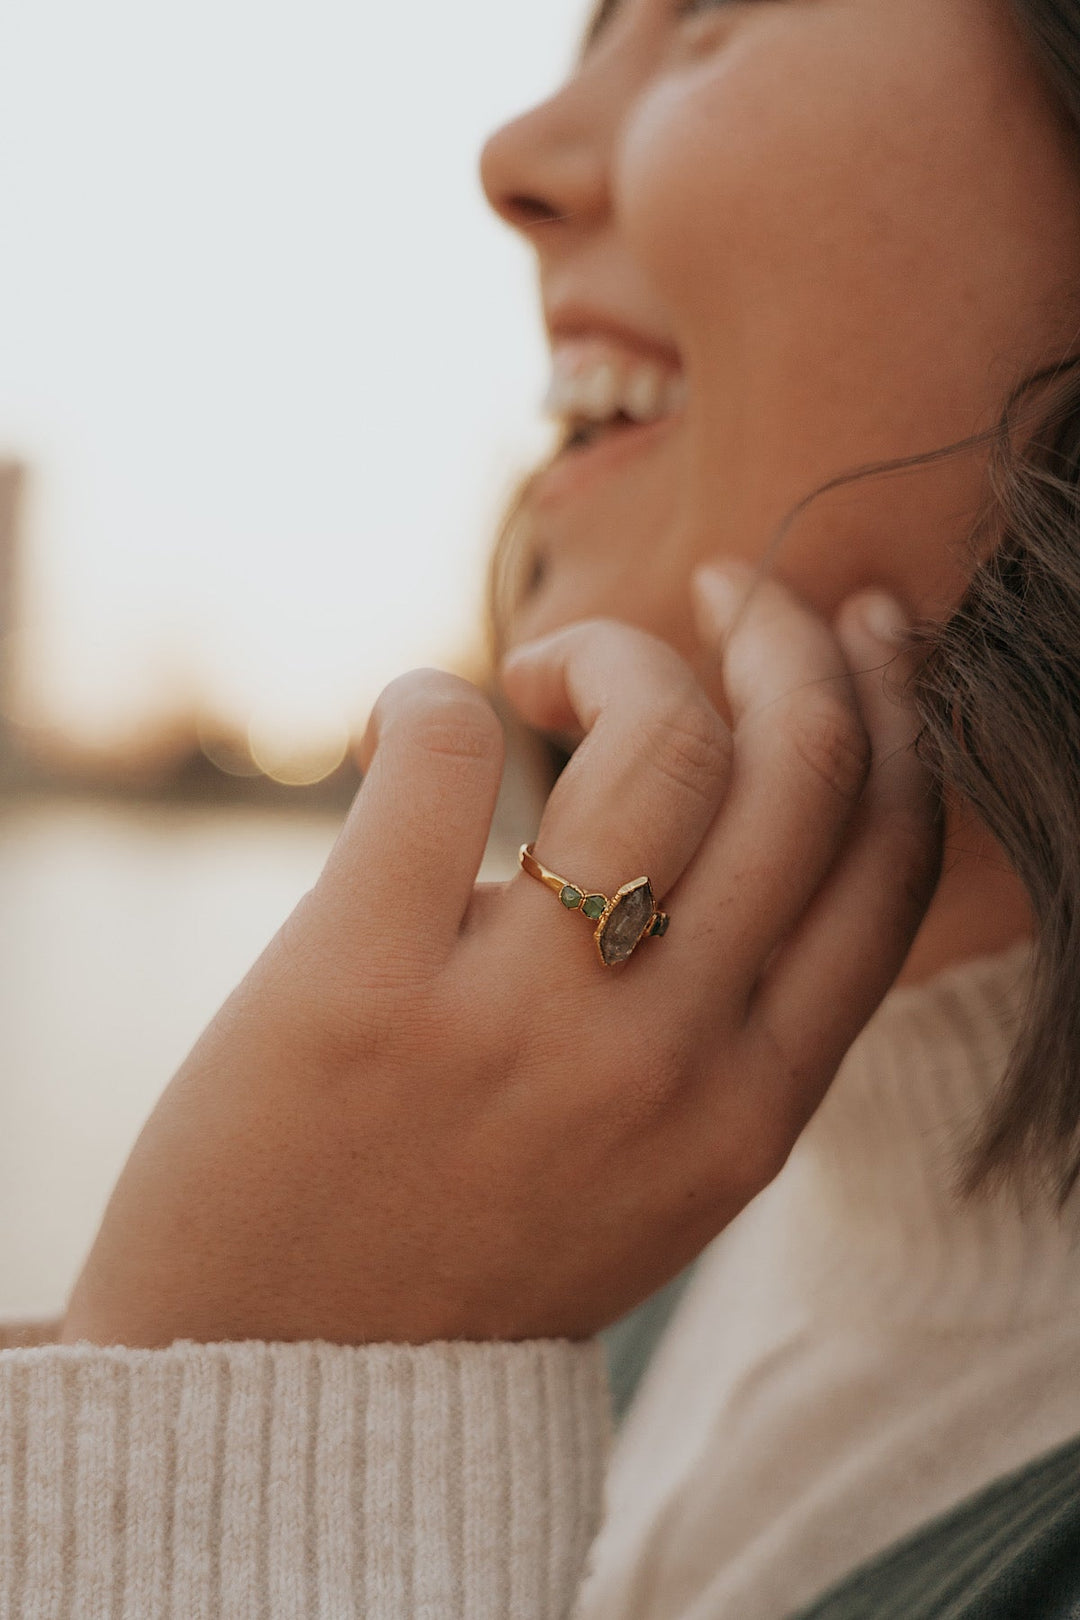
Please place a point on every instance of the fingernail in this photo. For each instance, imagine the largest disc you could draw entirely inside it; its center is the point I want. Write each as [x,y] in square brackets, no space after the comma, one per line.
[884,618]
[719,591]
[523,653]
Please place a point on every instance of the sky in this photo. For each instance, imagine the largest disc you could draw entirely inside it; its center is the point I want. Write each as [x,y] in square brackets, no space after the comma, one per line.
[272,364]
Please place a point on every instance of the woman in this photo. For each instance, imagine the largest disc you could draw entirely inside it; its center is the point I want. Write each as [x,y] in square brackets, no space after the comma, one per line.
[333,1350]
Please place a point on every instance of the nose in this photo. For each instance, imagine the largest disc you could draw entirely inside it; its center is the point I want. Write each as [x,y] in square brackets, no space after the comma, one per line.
[547,166]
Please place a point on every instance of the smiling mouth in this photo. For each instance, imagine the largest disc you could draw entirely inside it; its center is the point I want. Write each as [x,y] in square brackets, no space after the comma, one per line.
[600,391]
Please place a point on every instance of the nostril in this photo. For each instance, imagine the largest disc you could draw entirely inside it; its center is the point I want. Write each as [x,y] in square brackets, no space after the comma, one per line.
[523,212]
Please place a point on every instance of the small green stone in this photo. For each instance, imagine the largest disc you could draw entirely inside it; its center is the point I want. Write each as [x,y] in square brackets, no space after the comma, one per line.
[571,897]
[594,906]
[659,925]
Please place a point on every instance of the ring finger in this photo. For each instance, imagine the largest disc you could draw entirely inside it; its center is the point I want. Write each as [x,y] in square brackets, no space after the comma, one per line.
[642,788]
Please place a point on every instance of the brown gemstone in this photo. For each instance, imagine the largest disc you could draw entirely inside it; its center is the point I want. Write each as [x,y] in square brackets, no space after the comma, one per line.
[626,923]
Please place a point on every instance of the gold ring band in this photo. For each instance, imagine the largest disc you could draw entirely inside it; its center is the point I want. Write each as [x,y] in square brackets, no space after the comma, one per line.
[622,922]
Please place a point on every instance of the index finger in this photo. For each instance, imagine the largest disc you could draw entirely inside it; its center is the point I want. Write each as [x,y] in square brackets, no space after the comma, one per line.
[398,881]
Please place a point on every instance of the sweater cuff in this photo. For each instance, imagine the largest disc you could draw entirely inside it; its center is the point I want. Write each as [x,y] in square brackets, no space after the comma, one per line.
[388,1481]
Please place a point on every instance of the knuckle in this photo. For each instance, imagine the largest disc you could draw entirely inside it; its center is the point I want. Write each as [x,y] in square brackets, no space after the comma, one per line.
[690,746]
[831,742]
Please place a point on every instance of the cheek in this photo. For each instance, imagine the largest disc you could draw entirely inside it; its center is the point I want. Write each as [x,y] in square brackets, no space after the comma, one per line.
[721,170]
[827,184]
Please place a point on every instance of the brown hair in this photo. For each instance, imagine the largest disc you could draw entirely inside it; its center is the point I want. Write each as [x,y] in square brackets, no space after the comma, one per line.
[999,696]
[998,693]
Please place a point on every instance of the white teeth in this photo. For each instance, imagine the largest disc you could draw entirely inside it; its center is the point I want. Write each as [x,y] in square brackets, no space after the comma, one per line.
[642,395]
[588,385]
[598,393]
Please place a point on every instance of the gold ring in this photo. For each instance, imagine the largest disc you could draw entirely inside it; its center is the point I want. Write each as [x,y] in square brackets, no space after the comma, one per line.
[621,922]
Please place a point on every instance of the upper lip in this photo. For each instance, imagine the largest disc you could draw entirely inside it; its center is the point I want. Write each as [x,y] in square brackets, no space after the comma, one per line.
[575,320]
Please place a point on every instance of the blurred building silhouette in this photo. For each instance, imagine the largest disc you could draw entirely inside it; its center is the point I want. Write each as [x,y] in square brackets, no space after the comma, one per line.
[11,485]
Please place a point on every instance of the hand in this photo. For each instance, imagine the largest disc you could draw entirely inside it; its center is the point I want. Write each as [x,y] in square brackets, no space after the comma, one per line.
[429,1112]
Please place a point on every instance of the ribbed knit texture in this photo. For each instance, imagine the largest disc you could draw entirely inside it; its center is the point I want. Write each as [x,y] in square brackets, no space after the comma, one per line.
[289,1481]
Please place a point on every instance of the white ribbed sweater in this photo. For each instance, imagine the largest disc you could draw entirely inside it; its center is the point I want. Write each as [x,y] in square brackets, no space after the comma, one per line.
[856,1353]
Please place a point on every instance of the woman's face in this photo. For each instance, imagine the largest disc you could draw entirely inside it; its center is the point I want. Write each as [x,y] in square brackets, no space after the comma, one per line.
[785,237]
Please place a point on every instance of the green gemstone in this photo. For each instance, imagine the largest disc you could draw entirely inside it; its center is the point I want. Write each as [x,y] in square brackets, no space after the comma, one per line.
[594,906]
[571,897]
[660,925]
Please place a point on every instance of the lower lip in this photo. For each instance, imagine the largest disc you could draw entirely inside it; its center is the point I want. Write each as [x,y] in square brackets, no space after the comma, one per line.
[571,470]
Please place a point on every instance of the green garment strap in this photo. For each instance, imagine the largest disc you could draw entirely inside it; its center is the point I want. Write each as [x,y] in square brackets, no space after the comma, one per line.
[1012,1552]
[630,1343]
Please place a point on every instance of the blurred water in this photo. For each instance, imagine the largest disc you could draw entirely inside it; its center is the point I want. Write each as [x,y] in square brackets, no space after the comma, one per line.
[121,931]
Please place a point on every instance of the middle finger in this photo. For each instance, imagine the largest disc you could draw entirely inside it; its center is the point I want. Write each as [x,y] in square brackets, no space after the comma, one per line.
[801,755]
